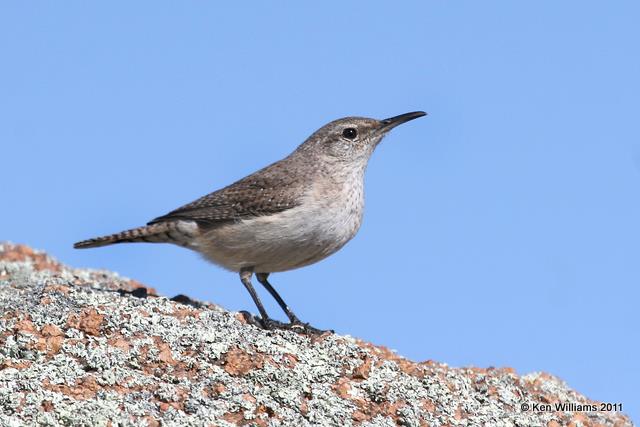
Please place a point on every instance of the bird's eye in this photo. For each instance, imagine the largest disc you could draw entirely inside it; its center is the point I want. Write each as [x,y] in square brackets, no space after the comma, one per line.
[350,133]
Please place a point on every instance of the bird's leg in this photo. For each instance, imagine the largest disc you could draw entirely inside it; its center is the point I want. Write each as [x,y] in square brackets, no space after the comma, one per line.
[295,322]
[245,277]
[262,278]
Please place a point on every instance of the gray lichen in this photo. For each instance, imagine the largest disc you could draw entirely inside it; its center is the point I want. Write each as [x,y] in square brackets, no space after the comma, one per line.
[75,352]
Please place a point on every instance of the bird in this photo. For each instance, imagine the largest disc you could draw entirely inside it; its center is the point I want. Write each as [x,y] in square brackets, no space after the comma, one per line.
[290,214]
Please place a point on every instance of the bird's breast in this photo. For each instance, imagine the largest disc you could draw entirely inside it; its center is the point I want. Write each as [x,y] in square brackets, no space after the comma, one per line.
[336,212]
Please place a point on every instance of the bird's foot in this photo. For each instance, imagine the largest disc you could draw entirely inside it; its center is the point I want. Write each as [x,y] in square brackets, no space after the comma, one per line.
[305,328]
[272,324]
[267,324]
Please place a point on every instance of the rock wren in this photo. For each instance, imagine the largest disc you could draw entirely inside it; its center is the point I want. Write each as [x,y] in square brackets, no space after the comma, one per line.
[292,213]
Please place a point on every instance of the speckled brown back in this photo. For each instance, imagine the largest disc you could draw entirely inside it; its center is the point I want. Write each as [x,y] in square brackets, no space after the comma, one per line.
[273,189]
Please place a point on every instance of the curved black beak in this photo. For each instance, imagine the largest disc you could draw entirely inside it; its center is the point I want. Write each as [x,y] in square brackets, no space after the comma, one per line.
[391,122]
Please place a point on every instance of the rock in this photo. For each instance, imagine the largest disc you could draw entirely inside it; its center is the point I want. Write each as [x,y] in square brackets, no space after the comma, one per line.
[77,347]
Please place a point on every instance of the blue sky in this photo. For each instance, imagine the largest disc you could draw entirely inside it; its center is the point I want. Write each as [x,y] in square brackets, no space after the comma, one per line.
[502,229]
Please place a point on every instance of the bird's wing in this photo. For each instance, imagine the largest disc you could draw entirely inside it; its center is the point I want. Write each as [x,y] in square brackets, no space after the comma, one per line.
[265,192]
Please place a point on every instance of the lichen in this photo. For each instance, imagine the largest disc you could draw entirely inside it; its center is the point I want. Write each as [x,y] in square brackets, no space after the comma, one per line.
[74,351]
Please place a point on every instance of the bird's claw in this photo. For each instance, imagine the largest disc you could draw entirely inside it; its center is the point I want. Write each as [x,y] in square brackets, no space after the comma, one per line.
[306,328]
[272,324]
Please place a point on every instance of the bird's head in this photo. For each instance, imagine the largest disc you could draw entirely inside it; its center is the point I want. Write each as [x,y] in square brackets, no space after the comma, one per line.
[353,138]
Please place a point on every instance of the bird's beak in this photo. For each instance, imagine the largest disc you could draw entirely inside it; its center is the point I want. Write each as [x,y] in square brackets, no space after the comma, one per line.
[391,122]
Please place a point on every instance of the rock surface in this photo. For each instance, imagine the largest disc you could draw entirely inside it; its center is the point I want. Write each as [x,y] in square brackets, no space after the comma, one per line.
[75,351]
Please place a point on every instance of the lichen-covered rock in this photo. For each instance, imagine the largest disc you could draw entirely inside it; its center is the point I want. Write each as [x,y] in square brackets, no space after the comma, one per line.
[78,348]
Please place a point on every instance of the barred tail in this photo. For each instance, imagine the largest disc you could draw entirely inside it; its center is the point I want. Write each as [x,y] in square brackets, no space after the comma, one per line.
[176,232]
